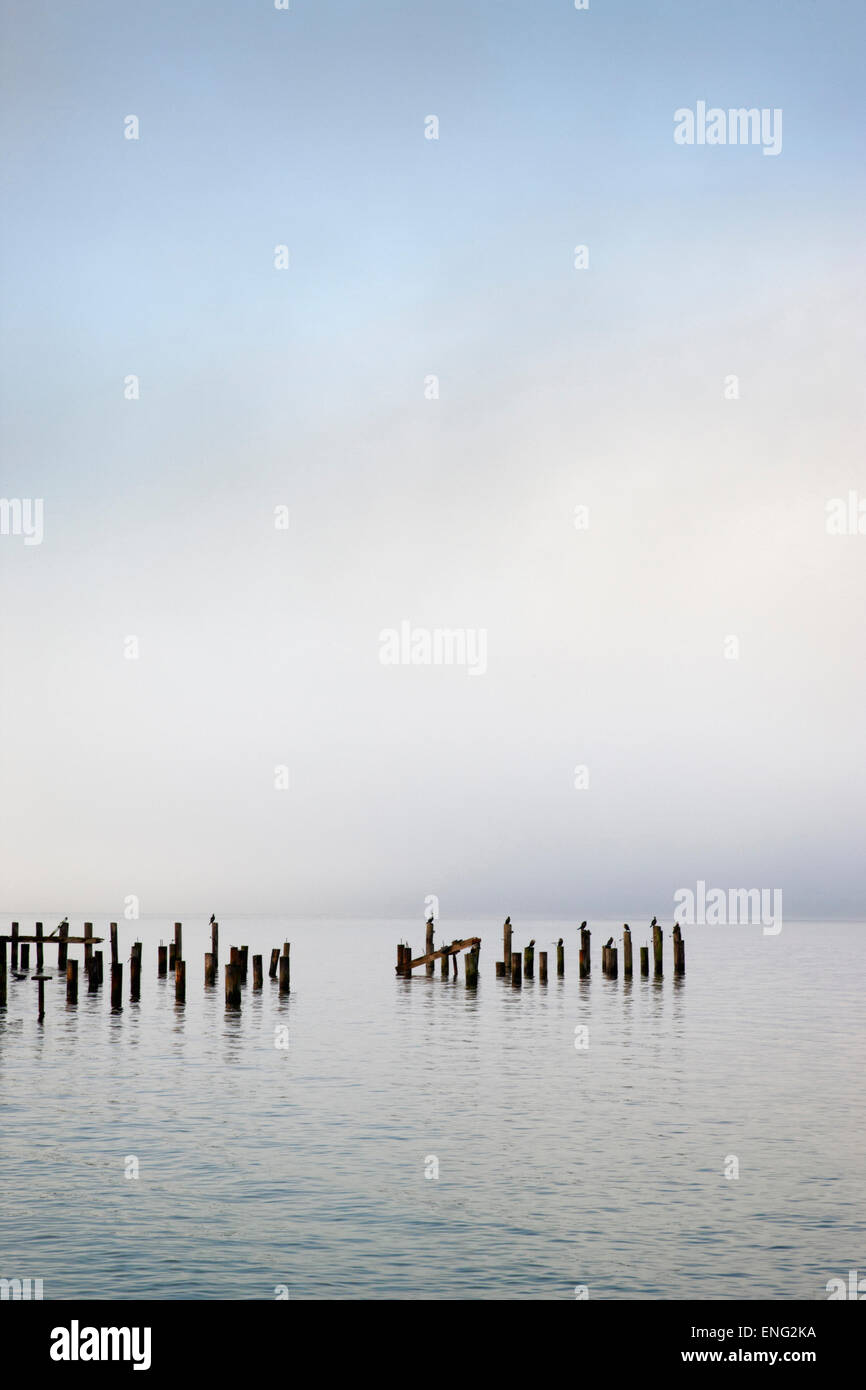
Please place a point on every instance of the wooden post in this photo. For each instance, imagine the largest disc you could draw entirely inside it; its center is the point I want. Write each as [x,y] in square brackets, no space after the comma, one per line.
[257,972]
[444,963]
[644,960]
[454,959]
[178,942]
[581,964]
[161,960]
[275,955]
[97,956]
[215,943]
[92,976]
[626,953]
[116,985]
[528,962]
[470,963]
[41,1013]
[500,969]
[113,930]
[679,951]
[657,950]
[285,975]
[172,956]
[243,955]
[62,949]
[88,946]
[180,981]
[25,955]
[585,936]
[233,987]
[506,945]
[560,957]
[2,974]
[72,982]
[39,958]
[135,971]
[210,968]
[429,947]
[13,959]
[516,973]
[611,957]
[542,967]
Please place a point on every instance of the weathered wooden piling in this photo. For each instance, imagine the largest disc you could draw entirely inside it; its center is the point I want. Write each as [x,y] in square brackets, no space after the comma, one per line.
[215,943]
[88,945]
[180,981]
[401,958]
[657,949]
[585,943]
[285,974]
[560,957]
[161,960]
[112,928]
[25,955]
[135,971]
[72,982]
[275,956]
[62,949]
[3,974]
[97,956]
[41,978]
[443,963]
[582,971]
[516,972]
[13,956]
[644,960]
[233,987]
[178,942]
[40,963]
[542,967]
[470,965]
[626,953]
[243,956]
[529,961]
[611,962]
[500,969]
[235,958]
[92,976]
[428,946]
[257,972]
[679,951]
[172,956]
[116,985]
[506,945]
[210,968]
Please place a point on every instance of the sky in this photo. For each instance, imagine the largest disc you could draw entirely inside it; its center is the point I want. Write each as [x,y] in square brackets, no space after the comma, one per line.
[612,479]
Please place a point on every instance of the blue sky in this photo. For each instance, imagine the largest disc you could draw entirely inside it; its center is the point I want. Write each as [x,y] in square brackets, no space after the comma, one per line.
[558,387]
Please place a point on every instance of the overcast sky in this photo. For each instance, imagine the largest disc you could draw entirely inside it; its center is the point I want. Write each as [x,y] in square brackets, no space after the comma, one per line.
[608,387]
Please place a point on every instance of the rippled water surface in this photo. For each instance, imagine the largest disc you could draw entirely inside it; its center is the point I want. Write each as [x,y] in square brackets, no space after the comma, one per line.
[558,1166]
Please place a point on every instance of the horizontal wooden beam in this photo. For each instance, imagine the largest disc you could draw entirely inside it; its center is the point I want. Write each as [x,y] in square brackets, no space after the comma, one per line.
[451,950]
[57,940]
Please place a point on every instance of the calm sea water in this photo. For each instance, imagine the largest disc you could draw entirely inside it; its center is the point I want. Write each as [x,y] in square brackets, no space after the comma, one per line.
[305,1166]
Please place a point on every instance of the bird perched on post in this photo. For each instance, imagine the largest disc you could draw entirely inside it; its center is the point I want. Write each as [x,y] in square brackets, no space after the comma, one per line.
[626,927]
[609,942]
[583,926]
[508,921]
[212,920]
[654,923]
[532,942]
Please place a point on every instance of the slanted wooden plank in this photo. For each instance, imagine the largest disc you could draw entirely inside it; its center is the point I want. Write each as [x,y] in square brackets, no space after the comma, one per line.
[451,950]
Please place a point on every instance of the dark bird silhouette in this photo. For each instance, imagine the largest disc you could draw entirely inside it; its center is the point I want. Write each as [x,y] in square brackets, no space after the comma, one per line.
[532,942]
[609,942]
[508,921]
[654,923]
[212,920]
[626,927]
[582,925]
